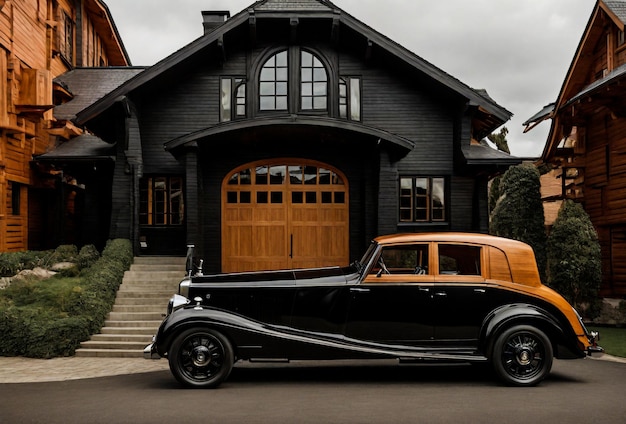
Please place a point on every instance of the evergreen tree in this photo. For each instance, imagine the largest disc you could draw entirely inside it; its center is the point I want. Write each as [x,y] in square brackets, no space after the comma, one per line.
[574,258]
[502,144]
[518,213]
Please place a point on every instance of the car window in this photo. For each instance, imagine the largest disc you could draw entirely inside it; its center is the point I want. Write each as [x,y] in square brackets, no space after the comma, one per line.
[411,260]
[457,259]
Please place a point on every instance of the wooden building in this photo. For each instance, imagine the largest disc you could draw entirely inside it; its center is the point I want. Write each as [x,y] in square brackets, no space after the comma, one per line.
[39,40]
[587,139]
[289,135]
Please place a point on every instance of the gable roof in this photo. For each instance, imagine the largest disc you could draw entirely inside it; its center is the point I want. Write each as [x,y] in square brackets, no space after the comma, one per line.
[85,147]
[287,8]
[88,85]
[575,83]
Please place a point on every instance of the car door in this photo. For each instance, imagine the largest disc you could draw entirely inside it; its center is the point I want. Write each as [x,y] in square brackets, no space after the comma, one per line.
[393,303]
[461,295]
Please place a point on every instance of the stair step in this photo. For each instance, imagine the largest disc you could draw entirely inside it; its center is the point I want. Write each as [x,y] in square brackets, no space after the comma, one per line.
[148,331]
[136,316]
[160,260]
[137,338]
[144,323]
[143,301]
[109,353]
[154,275]
[160,267]
[94,344]
[160,308]
[147,294]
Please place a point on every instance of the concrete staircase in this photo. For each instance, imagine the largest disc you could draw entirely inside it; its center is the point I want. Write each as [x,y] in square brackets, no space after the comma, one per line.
[139,308]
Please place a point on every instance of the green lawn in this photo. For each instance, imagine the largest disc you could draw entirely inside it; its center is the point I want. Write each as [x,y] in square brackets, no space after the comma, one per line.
[612,339]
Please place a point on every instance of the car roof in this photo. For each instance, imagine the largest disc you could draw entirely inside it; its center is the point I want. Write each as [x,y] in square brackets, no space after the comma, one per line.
[520,255]
[446,237]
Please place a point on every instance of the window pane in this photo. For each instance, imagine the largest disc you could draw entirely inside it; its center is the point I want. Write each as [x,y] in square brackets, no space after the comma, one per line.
[225,112]
[295,175]
[277,197]
[245,177]
[281,88]
[307,75]
[268,74]
[319,74]
[262,197]
[327,197]
[307,89]
[297,197]
[310,175]
[307,59]
[459,259]
[307,103]
[267,88]
[245,197]
[261,175]
[319,89]
[277,174]
[324,176]
[319,103]
[281,74]
[355,99]
[281,59]
[281,103]
[268,103]
[311,197]
[231,197]
[340,197]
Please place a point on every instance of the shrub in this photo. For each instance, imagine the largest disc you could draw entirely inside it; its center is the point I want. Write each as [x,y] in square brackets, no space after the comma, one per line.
[13,262]
[518,213]
[87,256]
[48,318]
[574,258]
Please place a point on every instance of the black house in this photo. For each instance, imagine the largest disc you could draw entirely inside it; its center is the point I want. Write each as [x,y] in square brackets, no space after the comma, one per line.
[288,136]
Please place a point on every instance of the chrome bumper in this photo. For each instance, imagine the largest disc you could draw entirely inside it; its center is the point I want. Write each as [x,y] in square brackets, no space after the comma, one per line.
[593,339]
[149,352]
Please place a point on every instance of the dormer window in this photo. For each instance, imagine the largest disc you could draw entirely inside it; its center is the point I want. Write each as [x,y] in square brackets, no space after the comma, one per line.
[313,83]
[274,83]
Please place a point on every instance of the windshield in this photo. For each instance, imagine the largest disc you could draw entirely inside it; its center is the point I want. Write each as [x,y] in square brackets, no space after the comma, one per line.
[367,257]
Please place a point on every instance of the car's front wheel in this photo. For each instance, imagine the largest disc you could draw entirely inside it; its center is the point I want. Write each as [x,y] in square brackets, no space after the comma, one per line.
[201,358]
[522,355]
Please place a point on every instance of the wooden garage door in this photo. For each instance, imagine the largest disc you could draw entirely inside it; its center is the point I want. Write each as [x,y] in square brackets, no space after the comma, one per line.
[284,214]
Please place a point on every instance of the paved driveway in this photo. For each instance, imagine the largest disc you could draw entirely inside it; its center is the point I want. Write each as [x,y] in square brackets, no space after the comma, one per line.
[348,392]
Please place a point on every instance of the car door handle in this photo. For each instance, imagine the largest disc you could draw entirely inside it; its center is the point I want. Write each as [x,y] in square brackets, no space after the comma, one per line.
[441,294]
[481,291]
[359,290]
[424,289]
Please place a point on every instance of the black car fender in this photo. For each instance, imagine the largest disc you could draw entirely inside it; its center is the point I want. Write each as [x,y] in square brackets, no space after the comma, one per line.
[204,317]
[514,314]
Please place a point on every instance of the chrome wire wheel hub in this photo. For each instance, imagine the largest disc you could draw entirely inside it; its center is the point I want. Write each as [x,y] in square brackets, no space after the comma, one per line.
[201,357]
[523,356]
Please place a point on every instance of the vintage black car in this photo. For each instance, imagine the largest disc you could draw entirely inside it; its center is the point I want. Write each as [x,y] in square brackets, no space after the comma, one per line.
[443,296]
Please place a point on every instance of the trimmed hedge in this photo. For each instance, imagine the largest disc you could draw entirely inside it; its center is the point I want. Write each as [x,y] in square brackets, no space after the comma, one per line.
[42,321]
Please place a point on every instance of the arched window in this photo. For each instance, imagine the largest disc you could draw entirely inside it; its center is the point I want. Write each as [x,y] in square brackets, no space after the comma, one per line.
[313,83]
[273,83]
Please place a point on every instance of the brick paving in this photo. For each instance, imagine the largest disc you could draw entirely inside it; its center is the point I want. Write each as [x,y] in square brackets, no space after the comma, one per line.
[27,370]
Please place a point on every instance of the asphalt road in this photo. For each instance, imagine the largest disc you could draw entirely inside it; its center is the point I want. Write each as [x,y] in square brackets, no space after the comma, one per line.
[344,392]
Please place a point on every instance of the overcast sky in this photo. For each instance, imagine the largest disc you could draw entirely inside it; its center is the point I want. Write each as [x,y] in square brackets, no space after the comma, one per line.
[518,50]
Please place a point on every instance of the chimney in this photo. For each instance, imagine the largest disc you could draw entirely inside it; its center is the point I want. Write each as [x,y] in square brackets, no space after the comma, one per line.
[211,19]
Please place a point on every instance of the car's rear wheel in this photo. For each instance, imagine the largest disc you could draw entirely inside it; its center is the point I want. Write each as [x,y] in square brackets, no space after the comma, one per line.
[201,358]
[522,355]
